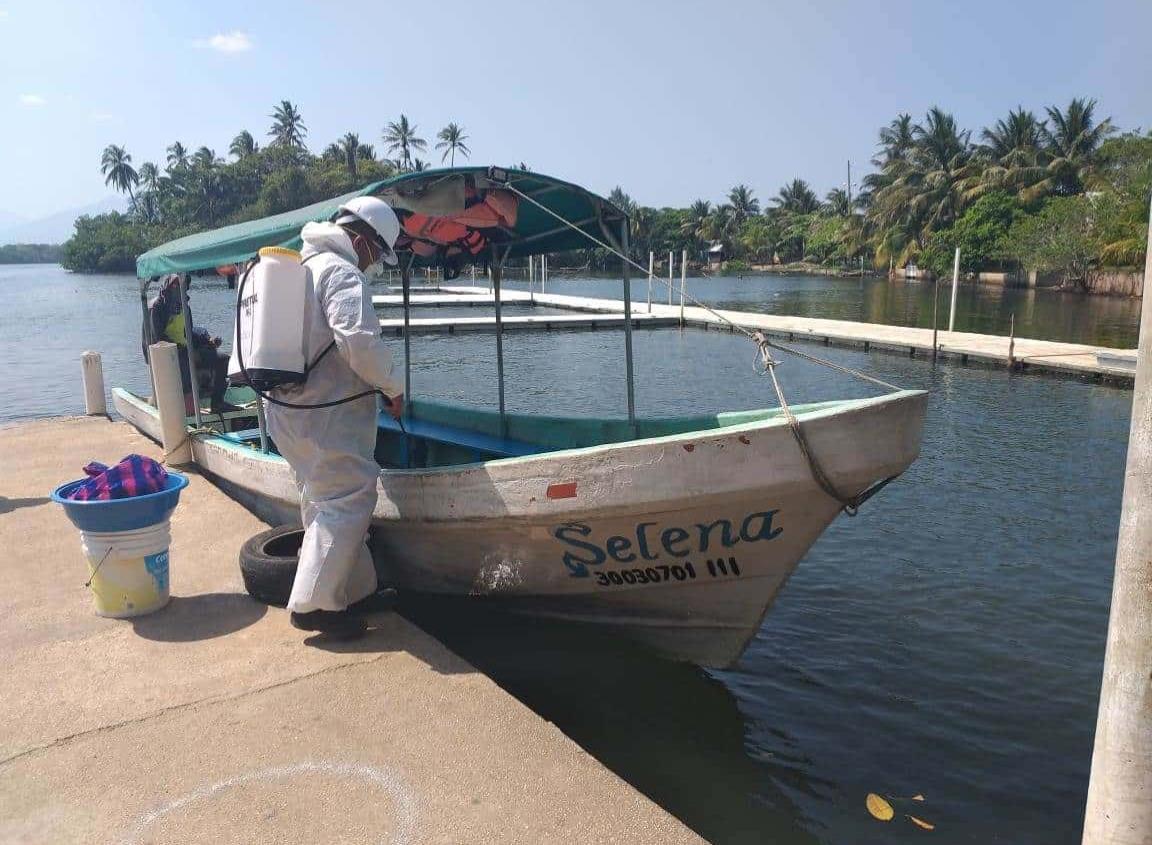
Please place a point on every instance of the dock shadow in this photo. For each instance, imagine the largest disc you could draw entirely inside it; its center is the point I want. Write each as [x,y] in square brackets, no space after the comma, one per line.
[8,505]
[200,617]
[672,730]
[386,635]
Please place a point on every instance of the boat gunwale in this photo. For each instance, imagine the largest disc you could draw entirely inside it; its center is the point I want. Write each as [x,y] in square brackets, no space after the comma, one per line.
[829,409]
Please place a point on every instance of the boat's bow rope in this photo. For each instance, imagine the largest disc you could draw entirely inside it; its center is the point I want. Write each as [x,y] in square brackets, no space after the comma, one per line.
[849,504]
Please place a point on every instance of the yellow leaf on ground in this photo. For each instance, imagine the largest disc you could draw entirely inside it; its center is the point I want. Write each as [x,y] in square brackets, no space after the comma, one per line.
[922,824]
[879,808]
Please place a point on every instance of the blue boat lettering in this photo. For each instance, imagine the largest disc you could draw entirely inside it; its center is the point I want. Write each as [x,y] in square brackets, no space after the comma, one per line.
[650,541]
[577,565]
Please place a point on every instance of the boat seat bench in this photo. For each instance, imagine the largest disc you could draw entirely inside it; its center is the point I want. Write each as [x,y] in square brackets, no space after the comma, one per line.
[478,445]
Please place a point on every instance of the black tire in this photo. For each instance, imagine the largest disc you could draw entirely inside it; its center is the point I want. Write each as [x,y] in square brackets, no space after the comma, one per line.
[268,564]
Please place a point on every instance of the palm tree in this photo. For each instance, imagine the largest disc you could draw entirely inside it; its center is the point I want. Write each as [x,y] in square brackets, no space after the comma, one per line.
[452,138]
[243,145]
[400,136]
[926,189]
[116,165]
[836,203]
[896,140]
[1072,138]
[332,154]
[797,197]
[205,159]
[366,152]
[349,146]
[721,226]
[693,225]
[622,201]
[1020,135]
[177,156]
[288,129]
[419,165]
[1013,150]
[932,180]
[744,205]
[149,176]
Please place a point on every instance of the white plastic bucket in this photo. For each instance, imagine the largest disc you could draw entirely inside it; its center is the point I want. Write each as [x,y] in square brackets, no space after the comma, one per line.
[128,570]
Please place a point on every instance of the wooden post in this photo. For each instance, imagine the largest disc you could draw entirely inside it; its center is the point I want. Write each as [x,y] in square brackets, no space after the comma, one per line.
[683,282]
[629,361]
[955,284]
[1012,342]
[935,309]
[406,290]
[651,264]
[1119,809]
[165,363]
[95,403]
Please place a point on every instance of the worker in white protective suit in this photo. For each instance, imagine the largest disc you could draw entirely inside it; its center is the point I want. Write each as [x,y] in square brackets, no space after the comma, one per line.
[331,449]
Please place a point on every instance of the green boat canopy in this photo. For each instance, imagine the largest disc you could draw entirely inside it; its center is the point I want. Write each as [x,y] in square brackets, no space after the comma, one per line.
[449,218]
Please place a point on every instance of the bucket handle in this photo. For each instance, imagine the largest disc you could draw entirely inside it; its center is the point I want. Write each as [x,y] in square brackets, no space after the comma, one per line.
[88,583]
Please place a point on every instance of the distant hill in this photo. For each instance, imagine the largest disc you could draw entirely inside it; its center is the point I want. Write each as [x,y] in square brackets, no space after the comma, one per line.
[55,228]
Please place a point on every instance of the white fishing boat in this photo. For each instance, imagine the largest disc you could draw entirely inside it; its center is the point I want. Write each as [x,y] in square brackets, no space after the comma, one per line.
[677,532]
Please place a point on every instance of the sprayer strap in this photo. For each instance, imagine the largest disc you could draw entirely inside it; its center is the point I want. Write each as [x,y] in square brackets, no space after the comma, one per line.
[319,358]
[308,368]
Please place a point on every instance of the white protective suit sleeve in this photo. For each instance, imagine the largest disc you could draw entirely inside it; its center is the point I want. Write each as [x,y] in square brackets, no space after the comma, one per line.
[357,330]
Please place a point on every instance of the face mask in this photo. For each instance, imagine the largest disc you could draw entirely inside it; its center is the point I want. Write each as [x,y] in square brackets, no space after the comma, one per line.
[375,265]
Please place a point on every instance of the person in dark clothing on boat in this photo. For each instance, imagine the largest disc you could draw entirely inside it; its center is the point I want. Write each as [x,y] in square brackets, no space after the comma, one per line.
[166,319]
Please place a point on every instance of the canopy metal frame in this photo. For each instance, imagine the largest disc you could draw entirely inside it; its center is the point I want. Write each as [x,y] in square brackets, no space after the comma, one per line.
[607,219]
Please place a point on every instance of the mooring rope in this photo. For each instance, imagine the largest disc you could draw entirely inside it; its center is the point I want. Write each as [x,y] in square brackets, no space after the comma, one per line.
[849,504]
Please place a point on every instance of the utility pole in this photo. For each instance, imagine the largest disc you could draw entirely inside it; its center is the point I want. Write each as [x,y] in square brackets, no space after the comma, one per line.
[849,187]
[1119,810]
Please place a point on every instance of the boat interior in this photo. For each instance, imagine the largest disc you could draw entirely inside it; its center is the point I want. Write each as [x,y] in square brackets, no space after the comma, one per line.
[442,434]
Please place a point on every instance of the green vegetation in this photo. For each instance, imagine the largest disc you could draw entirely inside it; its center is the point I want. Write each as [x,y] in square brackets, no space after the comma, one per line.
[1061,193]
[31,254]
[1064,193]
[197,190]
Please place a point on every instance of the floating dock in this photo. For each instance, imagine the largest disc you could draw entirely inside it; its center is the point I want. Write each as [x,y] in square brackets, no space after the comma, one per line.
[1115,366]
[213,720]
[521,322]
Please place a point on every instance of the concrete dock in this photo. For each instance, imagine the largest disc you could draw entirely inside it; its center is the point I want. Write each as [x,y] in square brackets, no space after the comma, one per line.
[214,721]
[1112,365]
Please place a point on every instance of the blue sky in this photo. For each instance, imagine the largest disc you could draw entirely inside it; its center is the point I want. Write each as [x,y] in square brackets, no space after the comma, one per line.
[671,100]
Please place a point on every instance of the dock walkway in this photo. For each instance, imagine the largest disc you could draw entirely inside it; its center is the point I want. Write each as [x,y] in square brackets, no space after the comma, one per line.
[214,721]
[525,322]
[1113,365]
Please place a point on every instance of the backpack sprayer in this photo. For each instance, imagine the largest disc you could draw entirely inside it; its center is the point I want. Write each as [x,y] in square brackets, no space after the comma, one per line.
[265,356]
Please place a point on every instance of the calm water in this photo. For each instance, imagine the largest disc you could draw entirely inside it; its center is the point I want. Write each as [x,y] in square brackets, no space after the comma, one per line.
[1043,314]
[948,641]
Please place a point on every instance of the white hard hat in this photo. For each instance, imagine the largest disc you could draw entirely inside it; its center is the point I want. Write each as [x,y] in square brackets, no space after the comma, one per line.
[377,214]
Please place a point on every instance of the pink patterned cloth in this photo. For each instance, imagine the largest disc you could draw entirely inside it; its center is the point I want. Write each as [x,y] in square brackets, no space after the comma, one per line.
[135,475]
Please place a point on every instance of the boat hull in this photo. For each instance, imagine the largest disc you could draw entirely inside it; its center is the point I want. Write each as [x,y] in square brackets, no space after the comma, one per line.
[681,542]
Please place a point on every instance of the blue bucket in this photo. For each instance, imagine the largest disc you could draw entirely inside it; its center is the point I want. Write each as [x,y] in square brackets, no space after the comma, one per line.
[104,515]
